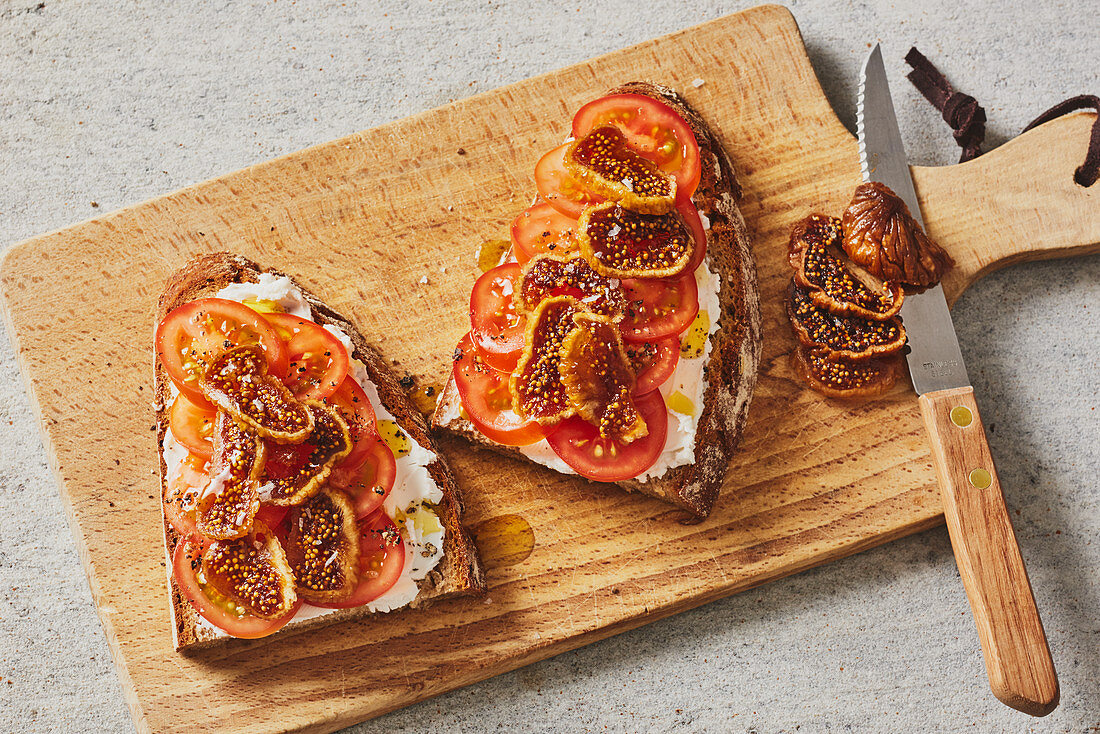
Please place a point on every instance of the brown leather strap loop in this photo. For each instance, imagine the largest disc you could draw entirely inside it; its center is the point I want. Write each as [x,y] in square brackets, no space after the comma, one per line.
[1089,171]
[961,111]
[967,118]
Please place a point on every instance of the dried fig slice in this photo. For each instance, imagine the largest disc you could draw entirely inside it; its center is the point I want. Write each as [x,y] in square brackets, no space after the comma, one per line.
[294,473]
[251,573]
[621,243]
[226,507]
[881,235]
[323,548]
[598,378]
[813,252]
[556,275]
[837,377]
[237,382]
[849,337]
[605,164]
[537,391]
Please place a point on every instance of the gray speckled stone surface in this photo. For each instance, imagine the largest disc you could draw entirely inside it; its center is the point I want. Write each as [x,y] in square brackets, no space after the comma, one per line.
[116,102]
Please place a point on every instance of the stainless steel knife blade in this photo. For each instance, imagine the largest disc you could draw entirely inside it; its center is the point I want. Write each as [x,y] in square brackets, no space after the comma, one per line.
[935,361]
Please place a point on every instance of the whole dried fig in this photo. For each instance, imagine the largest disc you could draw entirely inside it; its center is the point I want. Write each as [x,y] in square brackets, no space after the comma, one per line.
[881,235]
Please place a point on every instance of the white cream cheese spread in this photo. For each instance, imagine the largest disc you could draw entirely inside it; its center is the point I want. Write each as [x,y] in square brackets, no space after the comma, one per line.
[277,288]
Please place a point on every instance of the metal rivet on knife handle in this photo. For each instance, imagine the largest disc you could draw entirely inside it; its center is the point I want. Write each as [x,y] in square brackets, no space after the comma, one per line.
[980,478]
[961,416]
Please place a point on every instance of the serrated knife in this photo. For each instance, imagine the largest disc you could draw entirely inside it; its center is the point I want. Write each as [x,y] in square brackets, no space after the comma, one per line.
[1017,659]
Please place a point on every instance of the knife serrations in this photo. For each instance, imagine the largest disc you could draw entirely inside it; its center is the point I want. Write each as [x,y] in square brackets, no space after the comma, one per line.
[935,360]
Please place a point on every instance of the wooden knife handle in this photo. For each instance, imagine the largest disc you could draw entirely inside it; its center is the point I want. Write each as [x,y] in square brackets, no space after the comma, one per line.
[1017,659]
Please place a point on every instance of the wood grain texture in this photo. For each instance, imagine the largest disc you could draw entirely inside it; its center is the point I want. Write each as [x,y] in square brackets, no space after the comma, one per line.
[1021,672]
[360,221]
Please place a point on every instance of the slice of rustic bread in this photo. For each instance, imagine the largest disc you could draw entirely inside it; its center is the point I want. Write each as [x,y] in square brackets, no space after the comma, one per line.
[459,571]
[735,346]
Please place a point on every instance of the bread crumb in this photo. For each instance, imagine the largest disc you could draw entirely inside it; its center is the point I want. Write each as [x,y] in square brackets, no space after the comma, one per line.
[442,269]
[424,280]
[450,208]
[697,83]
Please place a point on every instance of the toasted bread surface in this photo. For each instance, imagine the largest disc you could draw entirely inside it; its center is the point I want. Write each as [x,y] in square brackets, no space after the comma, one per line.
[735,347]
[459,571]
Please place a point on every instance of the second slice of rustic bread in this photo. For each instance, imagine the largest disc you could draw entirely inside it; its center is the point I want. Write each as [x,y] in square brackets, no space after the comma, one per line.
[735,346]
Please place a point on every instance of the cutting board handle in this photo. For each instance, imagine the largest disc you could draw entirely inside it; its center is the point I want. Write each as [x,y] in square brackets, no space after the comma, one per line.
[1017,203]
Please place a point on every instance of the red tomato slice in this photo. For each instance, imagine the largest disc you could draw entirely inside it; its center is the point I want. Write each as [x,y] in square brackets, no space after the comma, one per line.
[494,324]
[541,229]
[654,362]
[370,483]
[318,361]
[196,332]
[558,188]
[355,407]
[191,479]
[577,442]
[381,560]
[659,308]
[185,562]
[192,425]
[487,400]
[273,516]
[651,128]
[284,460]
[690,215]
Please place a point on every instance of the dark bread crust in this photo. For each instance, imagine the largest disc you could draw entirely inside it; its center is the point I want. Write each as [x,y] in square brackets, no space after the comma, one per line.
[735,347]
[458,573]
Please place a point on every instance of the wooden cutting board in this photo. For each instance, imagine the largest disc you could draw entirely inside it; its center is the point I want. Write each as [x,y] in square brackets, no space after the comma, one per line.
[361,221]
